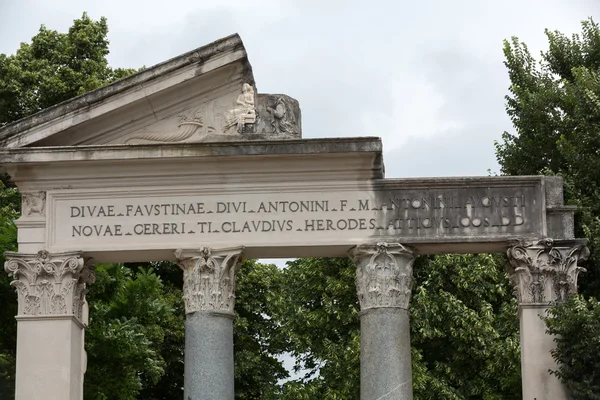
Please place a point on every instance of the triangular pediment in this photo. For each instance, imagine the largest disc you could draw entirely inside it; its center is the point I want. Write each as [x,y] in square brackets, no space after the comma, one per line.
[208,94]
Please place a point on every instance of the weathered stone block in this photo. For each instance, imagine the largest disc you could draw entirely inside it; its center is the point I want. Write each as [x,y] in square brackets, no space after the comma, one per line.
[279,117]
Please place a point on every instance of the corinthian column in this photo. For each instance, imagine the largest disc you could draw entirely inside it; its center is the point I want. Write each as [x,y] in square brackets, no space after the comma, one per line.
[384,282]
[542,272]
[209,296]
[50,323]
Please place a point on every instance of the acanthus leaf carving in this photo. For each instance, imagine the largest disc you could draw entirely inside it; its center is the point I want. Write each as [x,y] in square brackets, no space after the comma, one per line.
[49,284]
[209,279]
[546,271]
[383,275]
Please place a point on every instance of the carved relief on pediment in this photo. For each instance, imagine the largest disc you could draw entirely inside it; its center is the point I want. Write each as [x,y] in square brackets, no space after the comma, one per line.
[192,125]
[233,117]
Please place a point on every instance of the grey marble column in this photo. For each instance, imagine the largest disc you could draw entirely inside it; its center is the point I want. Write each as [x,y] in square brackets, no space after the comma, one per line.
[209,296]
[543,272]
[384,282]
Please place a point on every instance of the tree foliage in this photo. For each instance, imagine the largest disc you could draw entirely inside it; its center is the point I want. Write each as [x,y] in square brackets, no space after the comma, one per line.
[10,206]
[318,312]
[577,326]
[130,317]
[554,105]
[55,67]
[257,342]
[464,329]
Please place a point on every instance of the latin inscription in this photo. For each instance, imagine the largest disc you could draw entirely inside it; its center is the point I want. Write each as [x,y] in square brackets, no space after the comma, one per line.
[382,214]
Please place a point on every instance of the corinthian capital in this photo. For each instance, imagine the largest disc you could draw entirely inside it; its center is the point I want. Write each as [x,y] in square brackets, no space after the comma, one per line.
[209,278]
[383,275]
[49,284]
[545,271]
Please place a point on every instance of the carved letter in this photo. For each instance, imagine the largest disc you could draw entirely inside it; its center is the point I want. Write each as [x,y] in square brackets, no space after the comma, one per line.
[383,275]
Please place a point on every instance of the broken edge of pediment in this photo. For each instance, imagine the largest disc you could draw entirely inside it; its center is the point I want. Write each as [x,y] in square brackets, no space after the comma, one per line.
[205,95]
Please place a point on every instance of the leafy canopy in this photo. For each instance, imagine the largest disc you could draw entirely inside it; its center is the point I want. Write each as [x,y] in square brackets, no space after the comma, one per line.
[464,329]
[10,206]
[554,105]
[55,67]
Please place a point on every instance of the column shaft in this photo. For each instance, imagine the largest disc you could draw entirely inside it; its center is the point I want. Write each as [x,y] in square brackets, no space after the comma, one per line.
[209,296]
[383,283]
[543,272]
[208,356]
[536,359]
[385,362]
[49,359]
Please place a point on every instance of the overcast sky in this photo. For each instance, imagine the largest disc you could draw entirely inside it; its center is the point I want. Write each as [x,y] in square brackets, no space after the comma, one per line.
[426,76]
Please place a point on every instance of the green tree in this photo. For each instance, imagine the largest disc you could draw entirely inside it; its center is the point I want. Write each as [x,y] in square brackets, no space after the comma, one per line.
[577,326]
[170,383]
[130,316]
[464,329]
[318,313]
[555,110]
[10,206]
[55,67]
[257,341]
[257,369]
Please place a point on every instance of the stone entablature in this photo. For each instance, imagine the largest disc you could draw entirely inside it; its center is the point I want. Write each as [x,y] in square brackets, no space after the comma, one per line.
[546,271]
[209,278]
[383,275]
[279,197]
[49,284]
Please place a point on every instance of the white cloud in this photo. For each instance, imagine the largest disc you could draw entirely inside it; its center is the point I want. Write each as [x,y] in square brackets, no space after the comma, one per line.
[415,112]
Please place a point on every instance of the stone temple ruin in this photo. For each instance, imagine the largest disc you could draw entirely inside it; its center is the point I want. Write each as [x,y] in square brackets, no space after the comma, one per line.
[187,162]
